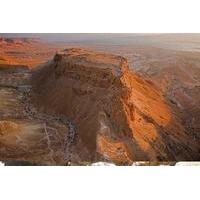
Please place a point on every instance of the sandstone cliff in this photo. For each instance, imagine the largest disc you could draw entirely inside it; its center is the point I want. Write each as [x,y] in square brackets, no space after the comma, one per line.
[118,116]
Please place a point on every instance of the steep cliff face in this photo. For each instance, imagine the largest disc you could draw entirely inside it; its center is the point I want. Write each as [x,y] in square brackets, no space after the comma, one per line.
[118,116]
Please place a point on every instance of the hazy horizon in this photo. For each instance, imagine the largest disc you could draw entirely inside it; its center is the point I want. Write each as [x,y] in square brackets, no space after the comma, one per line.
[176,41]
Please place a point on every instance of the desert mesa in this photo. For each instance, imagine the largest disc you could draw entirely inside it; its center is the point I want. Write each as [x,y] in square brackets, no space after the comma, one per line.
[69,105]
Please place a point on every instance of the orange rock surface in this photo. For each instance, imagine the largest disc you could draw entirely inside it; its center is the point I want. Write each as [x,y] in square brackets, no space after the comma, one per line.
[119,116]
[25,51]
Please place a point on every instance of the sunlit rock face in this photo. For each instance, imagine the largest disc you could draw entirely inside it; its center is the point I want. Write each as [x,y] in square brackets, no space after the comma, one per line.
[85,107]
[119,117]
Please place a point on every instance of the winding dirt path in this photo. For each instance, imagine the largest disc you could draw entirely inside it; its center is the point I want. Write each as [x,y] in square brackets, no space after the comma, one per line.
[32,112]
[23,88]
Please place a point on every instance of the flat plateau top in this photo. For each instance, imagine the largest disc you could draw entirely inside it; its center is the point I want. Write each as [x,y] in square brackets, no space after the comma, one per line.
[92,59]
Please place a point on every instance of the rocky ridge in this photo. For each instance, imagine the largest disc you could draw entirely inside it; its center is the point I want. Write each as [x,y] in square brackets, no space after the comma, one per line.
[119,117]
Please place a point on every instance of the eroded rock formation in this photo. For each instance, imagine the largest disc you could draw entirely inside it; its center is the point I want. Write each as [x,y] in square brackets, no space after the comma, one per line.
[118,116]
